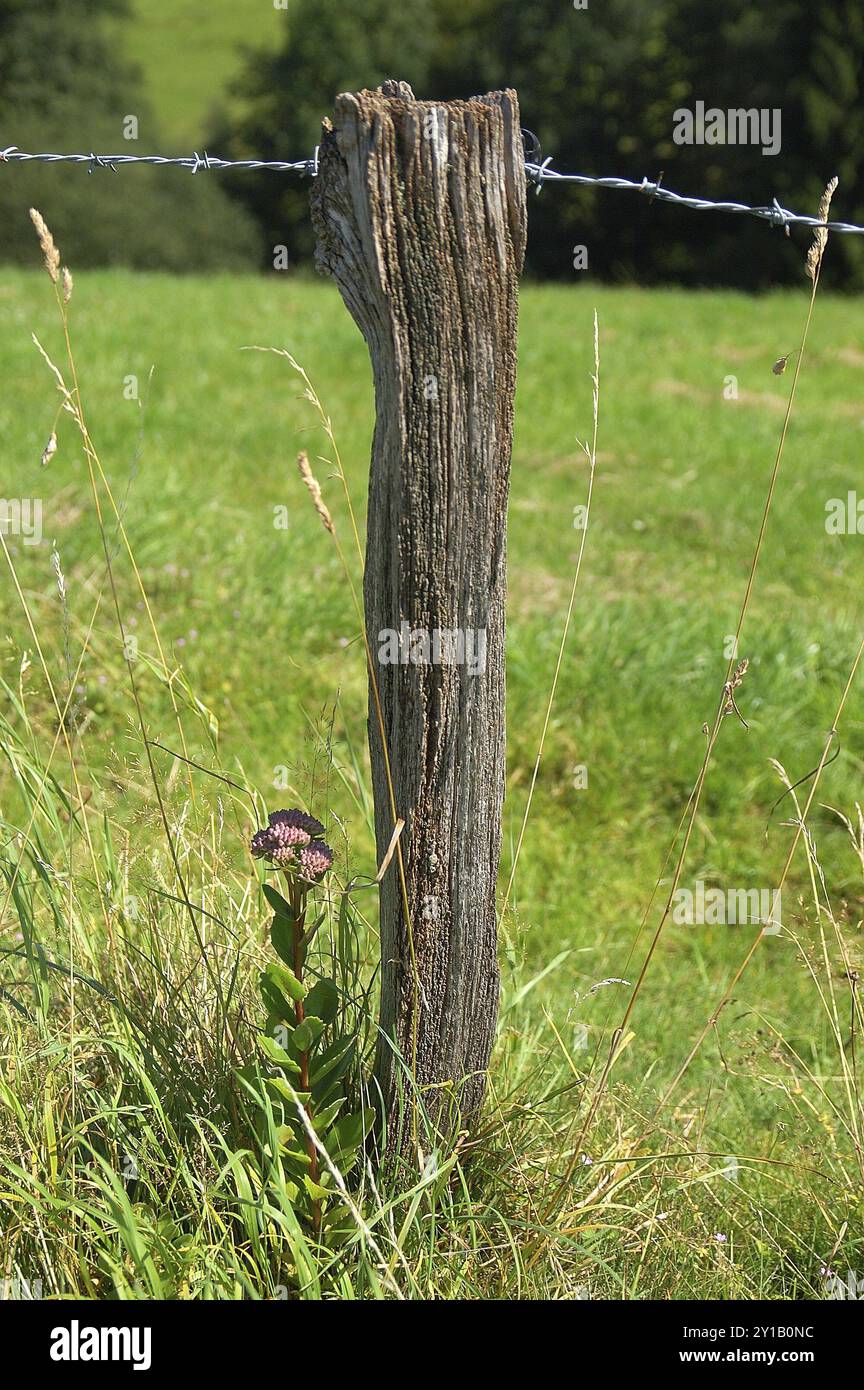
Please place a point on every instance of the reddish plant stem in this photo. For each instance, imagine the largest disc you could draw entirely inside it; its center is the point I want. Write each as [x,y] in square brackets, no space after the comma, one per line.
[297,899]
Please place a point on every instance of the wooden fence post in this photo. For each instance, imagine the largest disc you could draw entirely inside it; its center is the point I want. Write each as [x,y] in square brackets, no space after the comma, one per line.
[419,212]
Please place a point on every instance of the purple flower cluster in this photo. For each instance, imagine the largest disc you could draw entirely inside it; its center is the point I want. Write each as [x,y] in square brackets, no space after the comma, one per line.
[291,838]
[315,859]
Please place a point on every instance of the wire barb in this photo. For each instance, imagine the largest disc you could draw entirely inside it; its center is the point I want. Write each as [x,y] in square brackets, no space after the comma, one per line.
[100,161]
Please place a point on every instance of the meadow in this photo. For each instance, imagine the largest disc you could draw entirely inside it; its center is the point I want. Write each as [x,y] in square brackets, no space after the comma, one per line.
[122,1136]
[188,63]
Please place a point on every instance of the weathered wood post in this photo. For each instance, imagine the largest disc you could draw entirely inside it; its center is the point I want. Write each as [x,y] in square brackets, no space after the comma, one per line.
[419,212]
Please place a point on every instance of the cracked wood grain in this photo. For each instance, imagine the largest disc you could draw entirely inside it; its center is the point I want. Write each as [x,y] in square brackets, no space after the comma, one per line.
[419,212]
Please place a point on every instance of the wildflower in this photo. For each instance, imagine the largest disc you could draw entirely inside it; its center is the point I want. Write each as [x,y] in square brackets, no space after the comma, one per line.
[275,838]
[315,859]
[300,820]
[282,855]
[290,839]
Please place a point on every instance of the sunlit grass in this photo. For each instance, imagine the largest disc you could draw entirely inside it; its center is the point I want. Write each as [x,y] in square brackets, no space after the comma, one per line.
[259,616]
[187,65]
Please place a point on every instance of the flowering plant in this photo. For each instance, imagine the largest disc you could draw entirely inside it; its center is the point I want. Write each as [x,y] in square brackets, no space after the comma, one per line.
[315,1143]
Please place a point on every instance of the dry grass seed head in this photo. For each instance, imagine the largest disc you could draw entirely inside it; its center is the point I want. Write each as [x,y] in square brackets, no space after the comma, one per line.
[50,449]
[820,236]
[315,491]
[46,241]
[732,685]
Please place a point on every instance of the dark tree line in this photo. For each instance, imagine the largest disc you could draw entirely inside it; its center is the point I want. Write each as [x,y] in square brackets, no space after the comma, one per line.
[599,86]
[63,87]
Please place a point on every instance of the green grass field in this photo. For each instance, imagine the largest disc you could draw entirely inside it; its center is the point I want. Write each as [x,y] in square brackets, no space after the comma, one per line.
[261,622]
[187,62]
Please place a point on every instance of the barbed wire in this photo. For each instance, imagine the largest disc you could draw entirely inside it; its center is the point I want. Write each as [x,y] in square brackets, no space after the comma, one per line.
[196,162]
[538,172]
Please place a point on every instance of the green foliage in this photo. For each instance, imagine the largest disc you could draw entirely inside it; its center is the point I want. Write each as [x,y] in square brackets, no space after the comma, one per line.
[302,1044]
[600,87]
[63,88]
[130,1034]
[328,47]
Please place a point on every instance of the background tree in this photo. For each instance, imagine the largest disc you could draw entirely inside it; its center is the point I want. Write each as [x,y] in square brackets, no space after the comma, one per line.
[63,87]
[329,47]
[600,88]
[830,91]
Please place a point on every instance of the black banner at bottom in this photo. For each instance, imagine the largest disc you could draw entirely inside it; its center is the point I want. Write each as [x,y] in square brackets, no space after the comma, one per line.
[81,1340]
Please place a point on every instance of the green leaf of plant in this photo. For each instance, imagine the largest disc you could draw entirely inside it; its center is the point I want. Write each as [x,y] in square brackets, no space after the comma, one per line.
[276,1004]
[345,1160]
[293,1097]
[277,1054]
[279,1027]
[280,905]
[315,1190]
[282,937]
[323,1119]
[329,1067]
[288,1150]
[323,1000]
[339,1224]
[348,1133]
[284,980]
[305,1033]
